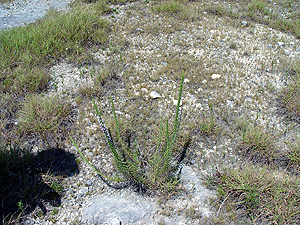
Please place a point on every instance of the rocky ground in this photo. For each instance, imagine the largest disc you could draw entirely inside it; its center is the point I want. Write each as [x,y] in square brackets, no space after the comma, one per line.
[18,13]
[234,71]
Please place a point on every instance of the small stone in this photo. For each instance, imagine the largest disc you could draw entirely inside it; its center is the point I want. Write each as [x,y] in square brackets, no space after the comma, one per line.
[244,23]
[89,182]
[144,90]
[280,43]
[204,81]
[186,81]
[83,191]
[270,46]
[175,102]
[119,112]
[154,95]
[287,52]
[215,76]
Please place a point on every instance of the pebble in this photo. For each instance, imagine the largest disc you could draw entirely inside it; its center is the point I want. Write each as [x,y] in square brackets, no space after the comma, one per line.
[280,43]
[154,95]
[244,23]
[215,76]
[186,81]
[119,112]
[144,90]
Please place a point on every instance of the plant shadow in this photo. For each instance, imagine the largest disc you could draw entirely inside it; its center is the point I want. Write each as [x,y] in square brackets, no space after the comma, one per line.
[29,180]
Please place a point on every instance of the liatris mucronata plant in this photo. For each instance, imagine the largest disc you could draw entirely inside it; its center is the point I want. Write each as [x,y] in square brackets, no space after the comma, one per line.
[160,170]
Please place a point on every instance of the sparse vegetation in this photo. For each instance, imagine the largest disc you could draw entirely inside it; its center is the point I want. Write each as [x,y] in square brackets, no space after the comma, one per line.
[125,53]
[265,196]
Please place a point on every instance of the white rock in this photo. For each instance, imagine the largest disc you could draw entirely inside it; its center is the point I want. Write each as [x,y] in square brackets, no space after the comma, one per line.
[244,23]
[154,95]
[186,80]
[175,102]
[144,90]
[204,81]
[119,112]
[280,43]
[215,76]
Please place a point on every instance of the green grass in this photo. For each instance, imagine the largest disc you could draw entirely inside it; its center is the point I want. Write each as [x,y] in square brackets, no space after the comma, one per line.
[60,34]
[176,8]
[294,155]
[258,145]
[265,196]
[290,97]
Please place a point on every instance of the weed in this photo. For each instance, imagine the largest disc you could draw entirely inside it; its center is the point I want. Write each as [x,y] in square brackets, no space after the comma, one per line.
[157,172]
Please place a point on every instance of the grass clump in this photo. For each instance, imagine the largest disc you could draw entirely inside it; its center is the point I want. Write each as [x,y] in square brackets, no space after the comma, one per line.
[266,197]
[290,98]
[43,115]
[156,171]
[172,7]
[258,145]
[294,155]
[208,125]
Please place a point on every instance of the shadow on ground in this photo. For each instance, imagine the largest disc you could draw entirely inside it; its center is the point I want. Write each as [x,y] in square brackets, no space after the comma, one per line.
[30,180]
